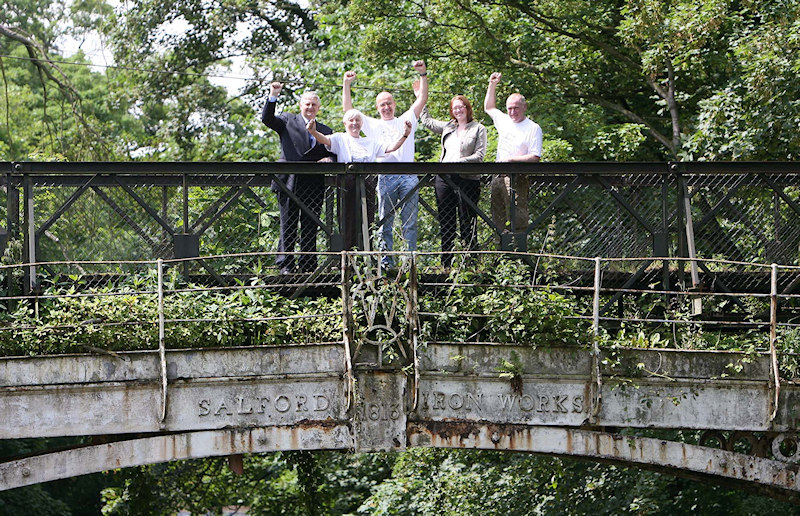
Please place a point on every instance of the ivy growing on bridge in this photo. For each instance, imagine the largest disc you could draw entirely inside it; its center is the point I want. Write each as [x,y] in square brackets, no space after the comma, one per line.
[493,300]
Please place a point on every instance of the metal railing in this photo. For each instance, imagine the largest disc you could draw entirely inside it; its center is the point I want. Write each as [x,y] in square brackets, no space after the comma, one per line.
[80,212]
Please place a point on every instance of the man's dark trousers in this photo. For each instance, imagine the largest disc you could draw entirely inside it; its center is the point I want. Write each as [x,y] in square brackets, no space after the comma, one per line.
[310,190]
[296,145]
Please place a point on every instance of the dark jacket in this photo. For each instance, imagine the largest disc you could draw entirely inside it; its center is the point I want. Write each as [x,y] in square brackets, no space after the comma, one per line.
[295,141]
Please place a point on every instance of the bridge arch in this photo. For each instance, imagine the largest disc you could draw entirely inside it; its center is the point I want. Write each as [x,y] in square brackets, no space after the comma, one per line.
[760,475]
[165,448]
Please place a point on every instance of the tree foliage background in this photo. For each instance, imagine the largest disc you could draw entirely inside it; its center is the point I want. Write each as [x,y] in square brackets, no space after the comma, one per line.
[606,80]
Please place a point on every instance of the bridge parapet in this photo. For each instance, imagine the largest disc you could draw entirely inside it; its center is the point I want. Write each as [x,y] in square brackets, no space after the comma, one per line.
[278,386]
[640,389]
[210,389]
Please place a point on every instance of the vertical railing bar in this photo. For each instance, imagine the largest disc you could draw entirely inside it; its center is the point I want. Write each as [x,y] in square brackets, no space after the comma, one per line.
[362,203]
[680,229]
[775,379]
[697,303]
[340,189]
[597,381]
[13,227]
[327,200]
[665,235]
[185,214]
[164,201]
[347,330]
[185,181]
[162,353]
[512,201]
[413,311]
[30,234]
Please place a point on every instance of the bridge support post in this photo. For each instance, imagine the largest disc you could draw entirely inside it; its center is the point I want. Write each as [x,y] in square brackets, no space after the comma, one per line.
[413,320]
[12,230]
[380,416]
[29,246]
[597,380]
[347,328]
[775,380]
[162,353]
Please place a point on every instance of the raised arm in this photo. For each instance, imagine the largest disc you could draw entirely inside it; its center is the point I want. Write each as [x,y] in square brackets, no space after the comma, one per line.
[490,101]
[347,99]
[399,143]
[268,114]
[311,127]
[530,157]
[422,94]
[437,126]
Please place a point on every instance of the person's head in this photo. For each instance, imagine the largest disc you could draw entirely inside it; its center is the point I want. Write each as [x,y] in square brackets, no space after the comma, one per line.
[384,102]
[353,120]
[309,105]
[516,105]
[459,105]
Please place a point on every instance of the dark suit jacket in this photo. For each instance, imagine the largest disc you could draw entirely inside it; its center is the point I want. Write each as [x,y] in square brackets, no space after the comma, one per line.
[295,144]
[291,129]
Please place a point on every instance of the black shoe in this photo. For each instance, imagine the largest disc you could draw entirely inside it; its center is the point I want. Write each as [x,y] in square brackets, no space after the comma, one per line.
[307,267]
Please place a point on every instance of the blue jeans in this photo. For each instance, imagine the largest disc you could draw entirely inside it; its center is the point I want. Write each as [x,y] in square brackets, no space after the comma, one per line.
[391,190]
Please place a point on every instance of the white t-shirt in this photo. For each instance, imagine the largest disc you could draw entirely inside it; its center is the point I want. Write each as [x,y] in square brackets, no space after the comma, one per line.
[388,132]
[515,139]
[355,150]
[452,148]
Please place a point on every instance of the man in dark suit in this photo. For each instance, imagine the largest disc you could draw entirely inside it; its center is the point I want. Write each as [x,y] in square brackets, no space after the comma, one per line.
[298,145]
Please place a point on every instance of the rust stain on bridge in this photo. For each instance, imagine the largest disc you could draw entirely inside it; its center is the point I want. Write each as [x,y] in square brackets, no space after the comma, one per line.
[771,477]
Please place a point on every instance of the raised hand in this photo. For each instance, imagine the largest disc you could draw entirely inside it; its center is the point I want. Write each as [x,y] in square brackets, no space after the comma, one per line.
[495,78]
[415,87]
[420,67]
[275,89]
[349,76]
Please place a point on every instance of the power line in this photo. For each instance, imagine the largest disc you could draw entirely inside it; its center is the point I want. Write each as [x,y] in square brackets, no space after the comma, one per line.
[285,80]
[129,68]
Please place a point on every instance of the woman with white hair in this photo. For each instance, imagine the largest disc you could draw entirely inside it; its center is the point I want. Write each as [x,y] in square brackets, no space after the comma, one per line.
[351,147]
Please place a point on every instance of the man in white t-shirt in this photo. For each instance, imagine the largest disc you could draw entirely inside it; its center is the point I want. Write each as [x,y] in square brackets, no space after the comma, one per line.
[392,189]
[519,140]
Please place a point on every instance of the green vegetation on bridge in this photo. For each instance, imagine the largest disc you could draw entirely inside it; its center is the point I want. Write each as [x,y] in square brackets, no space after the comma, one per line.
[521,299]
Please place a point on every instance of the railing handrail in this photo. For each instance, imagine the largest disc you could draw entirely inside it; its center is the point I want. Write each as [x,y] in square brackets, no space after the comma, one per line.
[517,254]
[577,168]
